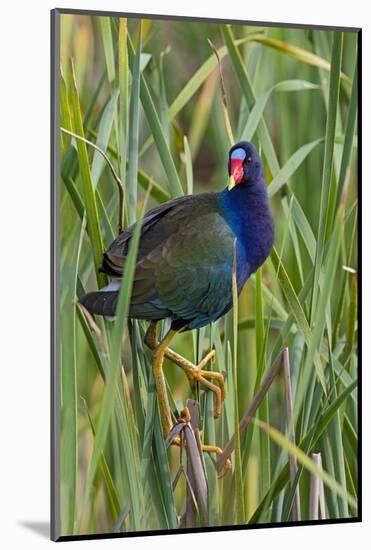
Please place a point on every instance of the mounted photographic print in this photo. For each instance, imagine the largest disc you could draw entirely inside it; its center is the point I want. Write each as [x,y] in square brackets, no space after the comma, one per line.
[205,280]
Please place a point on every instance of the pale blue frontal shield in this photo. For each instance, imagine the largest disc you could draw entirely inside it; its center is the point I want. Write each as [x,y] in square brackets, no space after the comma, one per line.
[238,154]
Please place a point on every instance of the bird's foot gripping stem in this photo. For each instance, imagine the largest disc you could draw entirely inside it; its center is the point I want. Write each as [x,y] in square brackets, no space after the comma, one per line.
[194,373]
[176,438]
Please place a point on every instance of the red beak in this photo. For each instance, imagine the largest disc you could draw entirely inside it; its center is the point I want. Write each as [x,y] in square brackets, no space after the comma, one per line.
[236,172]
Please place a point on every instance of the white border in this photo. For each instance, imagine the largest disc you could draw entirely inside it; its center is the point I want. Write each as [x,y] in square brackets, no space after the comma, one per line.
[24,224]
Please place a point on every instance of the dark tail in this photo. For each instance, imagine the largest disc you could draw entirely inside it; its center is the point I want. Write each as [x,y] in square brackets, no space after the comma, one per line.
[101,302]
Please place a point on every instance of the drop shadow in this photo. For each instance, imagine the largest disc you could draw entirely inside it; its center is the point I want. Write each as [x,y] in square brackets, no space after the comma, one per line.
[42,528]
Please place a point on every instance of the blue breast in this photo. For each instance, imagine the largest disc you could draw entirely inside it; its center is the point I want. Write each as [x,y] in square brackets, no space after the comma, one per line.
[247,211]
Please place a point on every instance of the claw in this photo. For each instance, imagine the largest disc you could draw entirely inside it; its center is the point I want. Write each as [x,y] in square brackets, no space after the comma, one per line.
[175,439]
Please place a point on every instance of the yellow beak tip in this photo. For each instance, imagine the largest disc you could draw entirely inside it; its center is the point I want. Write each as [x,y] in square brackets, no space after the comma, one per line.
[232,183]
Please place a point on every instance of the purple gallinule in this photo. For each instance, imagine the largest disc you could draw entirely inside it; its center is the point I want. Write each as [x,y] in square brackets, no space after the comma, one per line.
[184,265]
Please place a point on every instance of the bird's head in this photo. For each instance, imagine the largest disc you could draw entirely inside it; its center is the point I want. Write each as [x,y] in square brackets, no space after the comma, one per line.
[244,164]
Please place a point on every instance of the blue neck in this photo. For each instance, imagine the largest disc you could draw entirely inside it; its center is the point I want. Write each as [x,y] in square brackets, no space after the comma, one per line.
[247,211]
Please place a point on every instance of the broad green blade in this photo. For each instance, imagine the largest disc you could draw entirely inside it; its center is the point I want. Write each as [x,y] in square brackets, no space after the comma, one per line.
[69,442]
[124,96]
[290,167]
[325,294]
[307,462]
[263,411]
[87,182]
[112,375]
[300,54]
[248,92]
[261,102]
[349,133]
[157,130]
[104,134]
[105,26]
[307,444]
[65,111]
[106,474]
[240,505]
[188,164]
[297,310]
[134,134]
[197,80]
[337,49]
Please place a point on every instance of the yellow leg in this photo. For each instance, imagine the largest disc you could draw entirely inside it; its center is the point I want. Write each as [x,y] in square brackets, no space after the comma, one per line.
[158,374]
[193,372]
[160,350]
